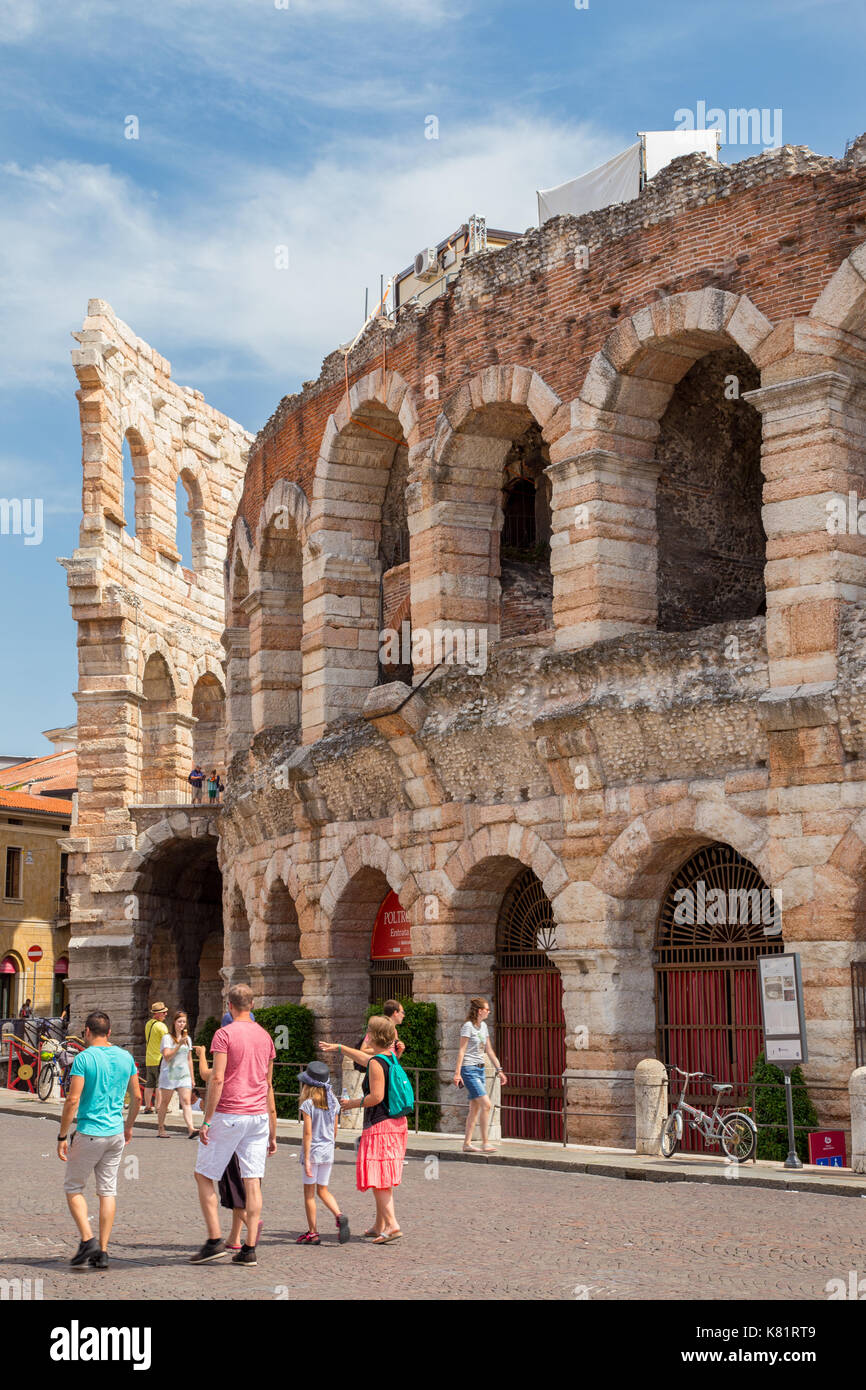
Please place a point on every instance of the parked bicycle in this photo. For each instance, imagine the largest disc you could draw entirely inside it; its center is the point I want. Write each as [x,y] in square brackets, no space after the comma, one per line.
[56,1064]
[733,1129]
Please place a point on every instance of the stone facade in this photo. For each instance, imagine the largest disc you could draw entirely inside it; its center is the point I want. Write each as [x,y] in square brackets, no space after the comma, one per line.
[700,391]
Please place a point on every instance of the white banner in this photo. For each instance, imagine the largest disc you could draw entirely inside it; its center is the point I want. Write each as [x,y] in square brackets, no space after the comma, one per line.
[664,145]
[617,181]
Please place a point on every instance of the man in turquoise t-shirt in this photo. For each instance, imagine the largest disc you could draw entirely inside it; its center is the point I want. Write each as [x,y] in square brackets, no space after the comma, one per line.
[98,1083]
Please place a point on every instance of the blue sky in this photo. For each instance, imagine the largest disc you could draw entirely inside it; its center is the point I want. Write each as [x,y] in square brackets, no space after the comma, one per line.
[304,126]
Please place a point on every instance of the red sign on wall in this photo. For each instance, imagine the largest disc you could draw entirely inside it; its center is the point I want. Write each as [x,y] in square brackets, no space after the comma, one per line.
[827,1147]
[391,934]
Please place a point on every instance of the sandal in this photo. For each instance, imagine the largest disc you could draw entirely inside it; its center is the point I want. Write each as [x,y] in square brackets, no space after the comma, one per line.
[488,1148]
[470,1149]
[308,1238]
[387,1236]
[369,1235]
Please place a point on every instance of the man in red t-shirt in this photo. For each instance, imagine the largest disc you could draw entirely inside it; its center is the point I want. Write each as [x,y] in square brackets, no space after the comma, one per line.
[240,1117]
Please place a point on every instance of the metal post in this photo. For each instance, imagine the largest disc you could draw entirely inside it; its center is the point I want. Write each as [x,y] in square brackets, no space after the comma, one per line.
[792,1161]
[564,1113]
[417,1101]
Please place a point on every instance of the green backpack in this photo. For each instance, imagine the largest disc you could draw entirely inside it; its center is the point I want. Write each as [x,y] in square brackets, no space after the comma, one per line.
[400,1097]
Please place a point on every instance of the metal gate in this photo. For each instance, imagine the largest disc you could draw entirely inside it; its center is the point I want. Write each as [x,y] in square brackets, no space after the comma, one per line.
[530,1024]
[390,979]
[858,991]
[708,1006]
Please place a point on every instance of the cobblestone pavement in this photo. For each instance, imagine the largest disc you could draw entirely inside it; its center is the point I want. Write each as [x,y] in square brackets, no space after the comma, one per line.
[478,1232]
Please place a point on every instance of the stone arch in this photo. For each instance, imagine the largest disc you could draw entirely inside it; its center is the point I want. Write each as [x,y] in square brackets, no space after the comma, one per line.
[177,893]
[275,609]
[236,639]
[367,437]
[605,468]
[457,584]
[275,938]
[842,302]
[368,852]
[155,643]
[165,742]
[191,480]
[208,712]
[476,877]
[210,664]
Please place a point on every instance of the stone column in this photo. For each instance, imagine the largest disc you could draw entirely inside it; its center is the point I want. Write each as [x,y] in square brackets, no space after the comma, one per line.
[650,1104]
[276,984]
[275,658]
[338,992]
[603,547]
[341,635]
[104,974]
[239,728]
[814,463]
[857,1092]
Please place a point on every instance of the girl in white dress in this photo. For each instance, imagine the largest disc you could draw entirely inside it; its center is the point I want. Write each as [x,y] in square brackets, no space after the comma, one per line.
[176,1074]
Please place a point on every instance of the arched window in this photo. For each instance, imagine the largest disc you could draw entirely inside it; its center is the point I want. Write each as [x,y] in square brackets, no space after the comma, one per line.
[130,497]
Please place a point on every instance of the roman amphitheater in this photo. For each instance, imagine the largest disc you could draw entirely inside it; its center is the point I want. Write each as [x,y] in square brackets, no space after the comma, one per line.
[624,456]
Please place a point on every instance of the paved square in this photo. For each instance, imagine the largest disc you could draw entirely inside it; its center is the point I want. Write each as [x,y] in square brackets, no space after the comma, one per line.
[481,1232]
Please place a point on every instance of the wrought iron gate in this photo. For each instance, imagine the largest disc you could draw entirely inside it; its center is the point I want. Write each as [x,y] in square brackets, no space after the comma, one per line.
[530,1024]
[858,991]
[708,1007]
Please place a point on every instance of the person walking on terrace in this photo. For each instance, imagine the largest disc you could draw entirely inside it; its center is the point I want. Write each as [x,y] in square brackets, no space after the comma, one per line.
[100,1077]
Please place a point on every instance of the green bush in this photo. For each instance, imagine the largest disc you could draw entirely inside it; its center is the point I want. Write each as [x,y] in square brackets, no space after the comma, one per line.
[299,1022]
[771,1114]
[418,1032]
[204,1036]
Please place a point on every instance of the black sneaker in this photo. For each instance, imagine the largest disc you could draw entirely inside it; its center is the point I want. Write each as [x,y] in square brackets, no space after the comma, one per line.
[246,1256]
[86,1248]
[99,1260]
[211,1250]
[343,1228]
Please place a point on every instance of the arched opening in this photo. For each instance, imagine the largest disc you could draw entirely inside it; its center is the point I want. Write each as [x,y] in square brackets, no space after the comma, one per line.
[344,653]
[276,620]
[60,992]
[10,975]
[238,705]
[179,898]
[717,918]
[711,541]
[489,570]
[530,1023]
[274,953]
[390,945]
[131,487]
[208,708]
[160,749]
[526,582]
[394,592]
[188,511]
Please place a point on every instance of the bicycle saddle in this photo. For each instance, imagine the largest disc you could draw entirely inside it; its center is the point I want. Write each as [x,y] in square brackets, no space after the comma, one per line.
[720,1086]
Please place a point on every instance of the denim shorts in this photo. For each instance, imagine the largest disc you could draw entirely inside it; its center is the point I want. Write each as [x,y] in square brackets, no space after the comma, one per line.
[474,1080]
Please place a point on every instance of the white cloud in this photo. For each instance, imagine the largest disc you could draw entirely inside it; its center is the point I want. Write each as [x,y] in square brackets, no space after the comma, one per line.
[199,280]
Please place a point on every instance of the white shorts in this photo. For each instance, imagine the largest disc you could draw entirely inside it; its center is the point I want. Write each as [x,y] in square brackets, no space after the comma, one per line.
[321,1172]
[244,1135]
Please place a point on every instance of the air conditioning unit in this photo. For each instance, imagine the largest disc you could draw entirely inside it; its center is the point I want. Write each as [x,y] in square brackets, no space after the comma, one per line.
[427,264]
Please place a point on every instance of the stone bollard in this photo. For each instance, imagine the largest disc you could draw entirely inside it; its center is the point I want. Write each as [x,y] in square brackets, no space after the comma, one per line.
[352,1082]
[857,1093]
[651,1104]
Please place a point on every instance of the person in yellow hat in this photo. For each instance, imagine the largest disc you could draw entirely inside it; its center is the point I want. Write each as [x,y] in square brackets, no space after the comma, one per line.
[154,1031]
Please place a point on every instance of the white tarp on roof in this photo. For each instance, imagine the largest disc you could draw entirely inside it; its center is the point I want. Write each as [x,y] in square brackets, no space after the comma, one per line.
[664,145]
[617,181]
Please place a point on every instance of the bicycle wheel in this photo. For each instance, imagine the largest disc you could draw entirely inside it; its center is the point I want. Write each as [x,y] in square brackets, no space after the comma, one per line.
[670,1140]
[47,1077]
[739,1139]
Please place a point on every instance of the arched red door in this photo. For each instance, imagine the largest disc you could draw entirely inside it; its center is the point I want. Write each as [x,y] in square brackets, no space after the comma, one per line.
[530,1023]
[717,918]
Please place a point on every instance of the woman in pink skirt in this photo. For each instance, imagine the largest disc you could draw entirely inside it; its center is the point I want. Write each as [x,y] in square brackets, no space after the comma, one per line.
[382,1146]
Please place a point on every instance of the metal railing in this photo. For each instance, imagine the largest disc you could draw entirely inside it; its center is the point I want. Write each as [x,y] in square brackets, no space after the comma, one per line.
[173,791]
